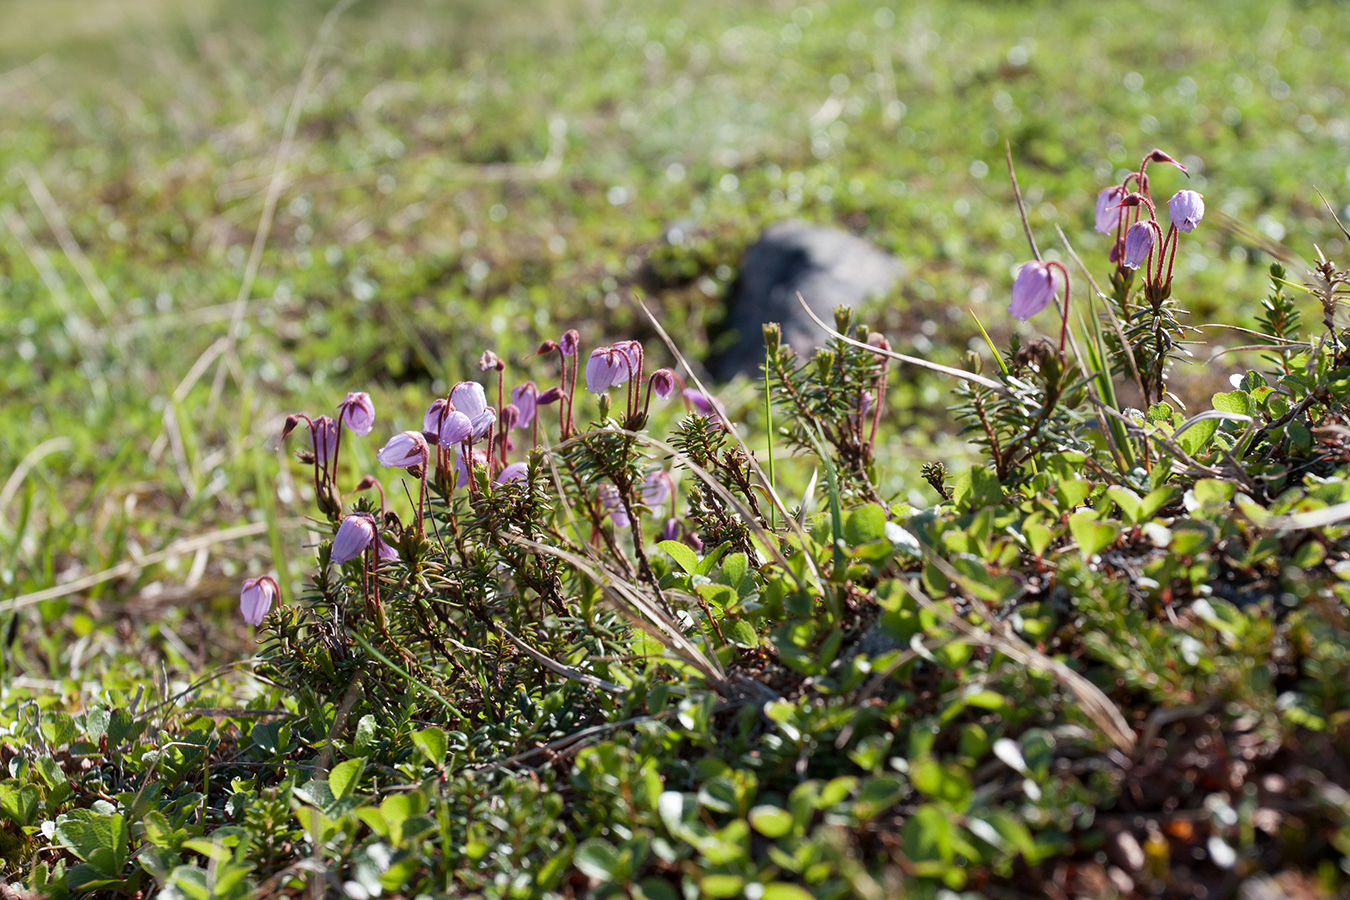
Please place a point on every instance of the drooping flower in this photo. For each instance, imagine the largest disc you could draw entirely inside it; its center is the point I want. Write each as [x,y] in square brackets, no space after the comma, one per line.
[513,472]
[606,368]
[1033,290]
[523,398]
[1186,209]
[383,550]
[483,422]
[663,383]
[569,342]
[490,362]
[353,537]
[1138,243]
[631,352]
[1108,209]
[672,530]
[706,404]
[456,428]
[256,596]
[323,439]
[550,396]
[357,412]
[655,488]
[431,421]
[609,499]
[468,398]
[407,448]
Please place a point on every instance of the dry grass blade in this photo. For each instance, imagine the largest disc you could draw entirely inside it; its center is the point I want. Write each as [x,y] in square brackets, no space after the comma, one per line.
[630,601]
[764,480]
[768,540]
[56,221]
[1096,704]
[1021,207]
[32,458]
[129,567]
[274,191]
[566,671]
[912,360]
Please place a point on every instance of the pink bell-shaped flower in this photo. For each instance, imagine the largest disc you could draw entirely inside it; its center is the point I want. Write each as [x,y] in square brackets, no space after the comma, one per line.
[1033,290]
[468,398]
[256,597]
[407,448]
[1186,209]
[1138,242]
[1108,209]
[357,412]
[353,537]
[523,398]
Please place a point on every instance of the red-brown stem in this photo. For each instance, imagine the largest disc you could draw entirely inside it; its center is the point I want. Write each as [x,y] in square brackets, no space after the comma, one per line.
[1064,329]
[337,445]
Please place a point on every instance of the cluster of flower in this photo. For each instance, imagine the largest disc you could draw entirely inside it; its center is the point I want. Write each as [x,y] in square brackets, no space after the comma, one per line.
[1118,210]
[461,432]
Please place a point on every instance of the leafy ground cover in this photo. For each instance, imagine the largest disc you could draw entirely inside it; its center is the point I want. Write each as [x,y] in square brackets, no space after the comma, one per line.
[1105,655]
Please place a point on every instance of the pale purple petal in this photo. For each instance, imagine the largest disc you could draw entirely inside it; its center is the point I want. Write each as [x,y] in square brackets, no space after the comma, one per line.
[456,428]
[663,383]
[468,398]
[523,397]
[483,423]
[609,499]
[655,488]
[603,369]
[407,448]
[706,404]
[1138,242]
[383,550]
[323,439]
[1035,288]
[358,413]
[513,472]
[461,471]
[353,537]
[1186,209]
[569,343]
[1108,211]
[255,599]
[431,422]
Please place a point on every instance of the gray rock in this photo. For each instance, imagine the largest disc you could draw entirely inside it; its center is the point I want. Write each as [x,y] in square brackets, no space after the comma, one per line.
[828,267]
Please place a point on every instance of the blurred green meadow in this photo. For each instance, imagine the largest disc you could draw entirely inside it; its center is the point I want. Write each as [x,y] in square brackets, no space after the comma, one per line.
[432,179]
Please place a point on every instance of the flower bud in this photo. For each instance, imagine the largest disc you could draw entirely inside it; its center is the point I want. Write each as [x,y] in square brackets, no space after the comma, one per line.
[570,342]
[353,537]
[549,397]
[510,416]
[663,383]
[291,422]
[773,336]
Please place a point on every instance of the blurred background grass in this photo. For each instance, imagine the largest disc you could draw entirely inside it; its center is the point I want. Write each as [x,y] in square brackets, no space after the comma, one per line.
[466,175]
